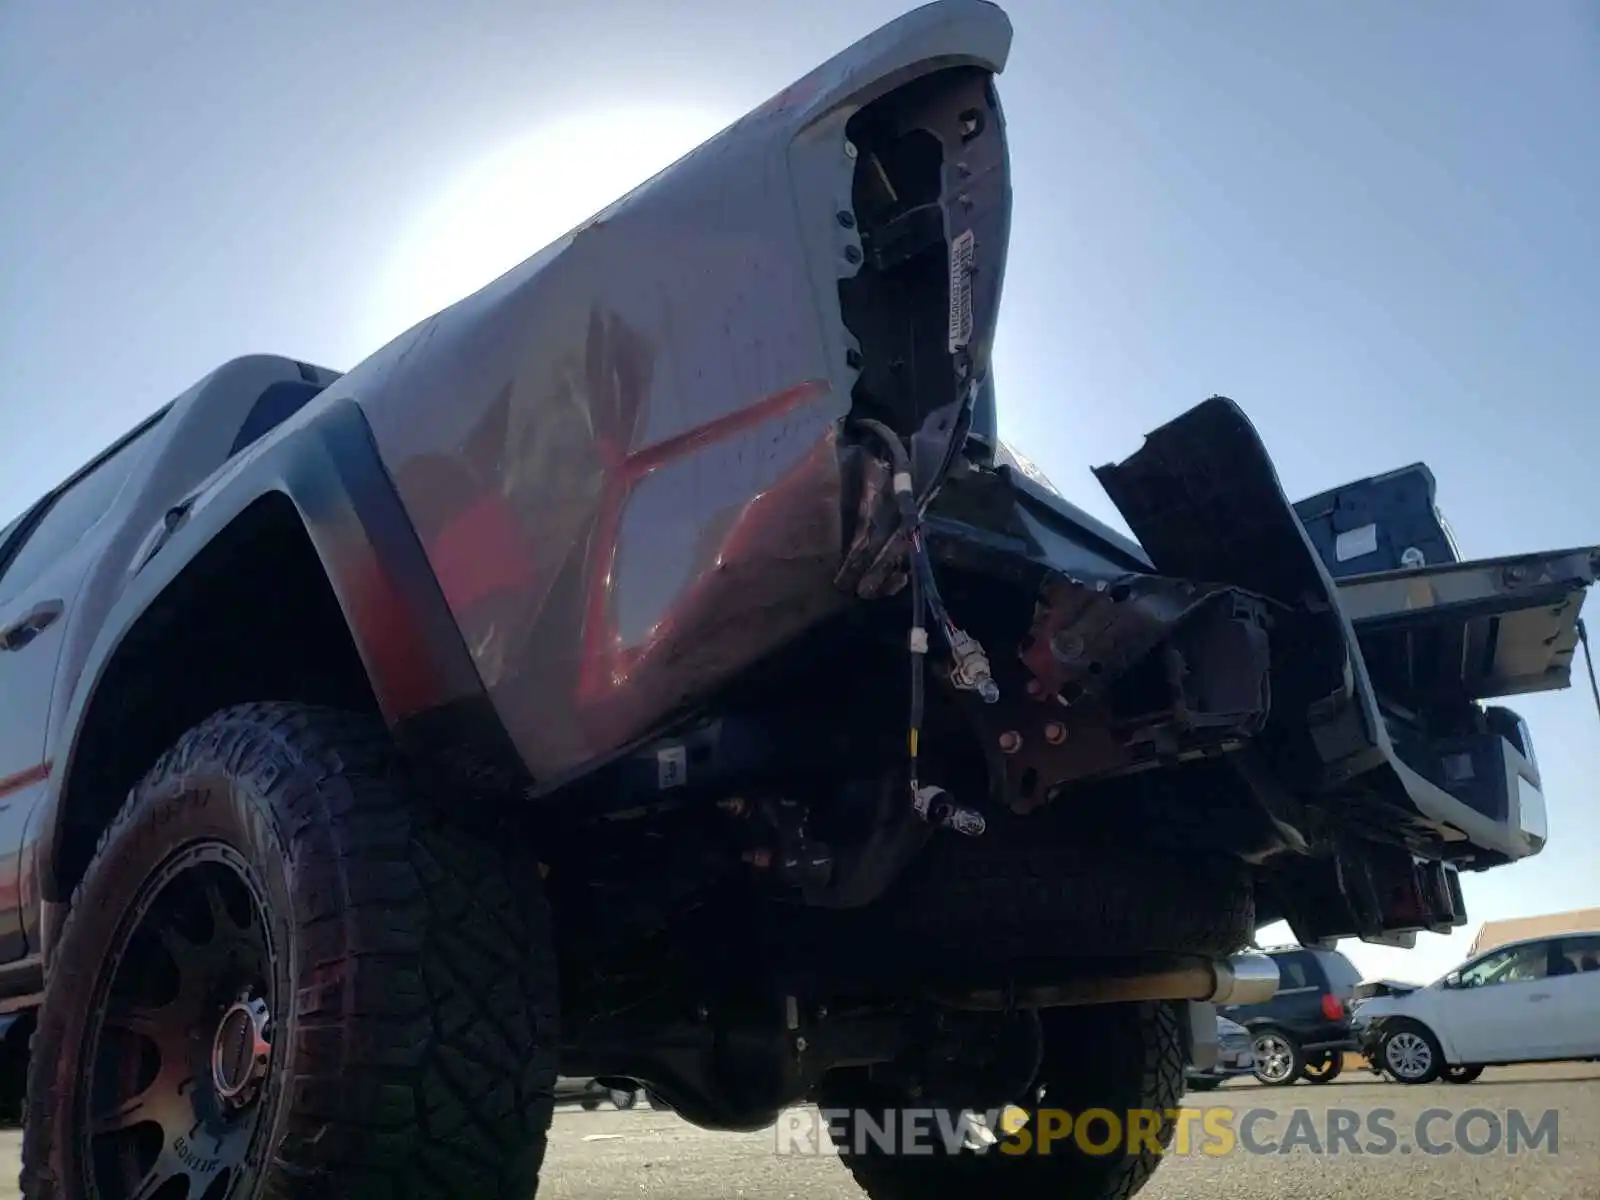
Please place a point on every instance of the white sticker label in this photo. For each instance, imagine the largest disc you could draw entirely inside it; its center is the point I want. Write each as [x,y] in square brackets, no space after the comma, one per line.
[962,250]
[1354,543]
[672,767]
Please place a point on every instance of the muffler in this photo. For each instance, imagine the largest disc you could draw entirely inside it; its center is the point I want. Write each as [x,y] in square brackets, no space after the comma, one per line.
[1242,979]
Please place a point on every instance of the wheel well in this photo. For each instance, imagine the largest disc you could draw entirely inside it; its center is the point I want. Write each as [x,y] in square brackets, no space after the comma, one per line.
[252,617]
[1269,1024]
[1397,1022]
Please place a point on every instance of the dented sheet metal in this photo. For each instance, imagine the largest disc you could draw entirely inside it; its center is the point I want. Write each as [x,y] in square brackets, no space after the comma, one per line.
[622,456]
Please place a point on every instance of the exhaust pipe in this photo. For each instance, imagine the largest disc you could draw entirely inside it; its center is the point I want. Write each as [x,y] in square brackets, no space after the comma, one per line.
[1242,979]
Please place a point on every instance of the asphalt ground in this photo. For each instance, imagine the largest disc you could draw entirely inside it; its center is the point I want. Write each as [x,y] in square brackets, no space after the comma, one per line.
[607,1154]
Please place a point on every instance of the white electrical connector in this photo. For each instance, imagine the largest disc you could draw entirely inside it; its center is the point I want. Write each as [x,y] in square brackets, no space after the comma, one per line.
[969,667]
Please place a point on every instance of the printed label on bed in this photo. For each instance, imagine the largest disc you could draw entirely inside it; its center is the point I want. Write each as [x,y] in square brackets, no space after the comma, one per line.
[961,256]
[672,767]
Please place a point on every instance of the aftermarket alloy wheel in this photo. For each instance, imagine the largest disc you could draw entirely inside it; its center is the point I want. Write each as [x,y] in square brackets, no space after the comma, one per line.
[1121,1059]
[285,975]
[1411,1054]
[1323,1067]
[1279,1061]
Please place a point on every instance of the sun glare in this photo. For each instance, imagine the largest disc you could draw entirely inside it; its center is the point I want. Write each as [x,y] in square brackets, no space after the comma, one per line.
[522,197]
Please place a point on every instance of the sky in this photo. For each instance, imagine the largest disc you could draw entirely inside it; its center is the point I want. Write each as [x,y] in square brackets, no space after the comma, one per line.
[1371,224]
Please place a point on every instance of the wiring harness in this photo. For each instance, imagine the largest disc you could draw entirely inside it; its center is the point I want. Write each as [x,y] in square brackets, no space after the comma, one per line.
[969,665]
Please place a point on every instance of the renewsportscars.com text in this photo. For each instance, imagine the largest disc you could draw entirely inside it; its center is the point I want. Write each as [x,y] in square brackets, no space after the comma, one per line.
[1211,1131]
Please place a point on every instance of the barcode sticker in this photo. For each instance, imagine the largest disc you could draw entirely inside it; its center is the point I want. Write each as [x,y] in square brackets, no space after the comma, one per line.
[962,249]
[672,767]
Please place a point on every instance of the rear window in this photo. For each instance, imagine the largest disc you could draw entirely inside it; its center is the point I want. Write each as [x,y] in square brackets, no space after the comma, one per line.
[76,509]
[1295,971]
[276,405]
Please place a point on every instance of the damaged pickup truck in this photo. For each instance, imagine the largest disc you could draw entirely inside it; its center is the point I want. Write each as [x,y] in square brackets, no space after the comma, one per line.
[652,668]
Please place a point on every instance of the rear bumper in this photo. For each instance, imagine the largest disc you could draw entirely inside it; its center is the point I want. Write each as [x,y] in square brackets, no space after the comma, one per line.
[1368,1036]
[1225,573]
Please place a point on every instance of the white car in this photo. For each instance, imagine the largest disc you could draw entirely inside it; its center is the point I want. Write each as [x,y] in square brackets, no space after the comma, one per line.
[1536,1000]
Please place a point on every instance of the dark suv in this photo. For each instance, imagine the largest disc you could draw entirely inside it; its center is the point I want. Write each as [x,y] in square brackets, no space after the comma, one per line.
[1304,1030]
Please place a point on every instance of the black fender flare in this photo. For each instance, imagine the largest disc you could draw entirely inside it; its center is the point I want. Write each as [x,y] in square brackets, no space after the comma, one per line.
[328,466]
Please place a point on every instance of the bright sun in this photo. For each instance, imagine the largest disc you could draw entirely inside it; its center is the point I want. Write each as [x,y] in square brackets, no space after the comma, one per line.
[519,199]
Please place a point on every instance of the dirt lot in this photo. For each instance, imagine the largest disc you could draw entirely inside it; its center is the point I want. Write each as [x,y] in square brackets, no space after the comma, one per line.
[607,1154]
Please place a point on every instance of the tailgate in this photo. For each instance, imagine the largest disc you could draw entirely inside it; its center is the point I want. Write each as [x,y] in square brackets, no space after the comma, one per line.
[1473,630]
[1204,501]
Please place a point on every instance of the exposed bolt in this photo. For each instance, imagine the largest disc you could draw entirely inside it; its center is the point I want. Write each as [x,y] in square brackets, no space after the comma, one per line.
[1055,732]
[1010,742]
[852,254]
[1067,647]
[846,218]
[801,1045]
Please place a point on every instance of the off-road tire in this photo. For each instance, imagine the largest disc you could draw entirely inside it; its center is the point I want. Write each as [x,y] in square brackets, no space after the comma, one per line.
[1121,1057]
[415,1059]
[1461,1074]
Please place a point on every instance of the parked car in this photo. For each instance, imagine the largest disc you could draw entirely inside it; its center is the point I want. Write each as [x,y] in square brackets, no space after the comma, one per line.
[590,1093]
[1303,1031]
[1235,1057]
[648,667]
[1534,1000]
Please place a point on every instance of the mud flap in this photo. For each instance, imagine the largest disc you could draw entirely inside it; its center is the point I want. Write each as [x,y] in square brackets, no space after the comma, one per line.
[1205,502]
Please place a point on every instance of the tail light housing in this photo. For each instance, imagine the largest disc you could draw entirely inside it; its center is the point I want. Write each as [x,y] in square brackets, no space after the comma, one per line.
[1332,1007]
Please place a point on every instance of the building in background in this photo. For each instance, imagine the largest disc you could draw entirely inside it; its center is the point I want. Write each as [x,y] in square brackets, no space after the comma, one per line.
[1498,933]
